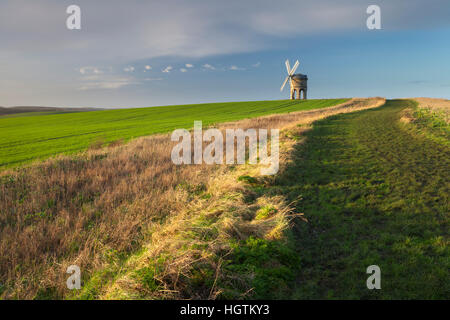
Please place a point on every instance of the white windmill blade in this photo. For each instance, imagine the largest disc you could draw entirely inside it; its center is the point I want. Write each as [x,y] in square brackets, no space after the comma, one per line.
[284,83]
[294,68]
[288,67]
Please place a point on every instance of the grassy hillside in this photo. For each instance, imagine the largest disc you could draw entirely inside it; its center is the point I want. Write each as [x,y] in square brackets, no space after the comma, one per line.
[373,186]
[25,111]
[27,138]
[118,212]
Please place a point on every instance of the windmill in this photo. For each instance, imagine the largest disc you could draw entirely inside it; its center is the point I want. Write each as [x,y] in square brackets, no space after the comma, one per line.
[297,81]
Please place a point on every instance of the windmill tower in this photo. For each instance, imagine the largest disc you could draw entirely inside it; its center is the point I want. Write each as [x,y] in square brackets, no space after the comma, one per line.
[298,81]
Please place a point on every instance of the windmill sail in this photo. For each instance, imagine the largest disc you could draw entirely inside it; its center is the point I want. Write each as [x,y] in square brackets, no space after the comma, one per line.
[294,68]
[288,67]
[284,83]
[289,71]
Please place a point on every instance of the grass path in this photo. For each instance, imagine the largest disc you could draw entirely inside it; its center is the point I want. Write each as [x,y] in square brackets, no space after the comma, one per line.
[375,191]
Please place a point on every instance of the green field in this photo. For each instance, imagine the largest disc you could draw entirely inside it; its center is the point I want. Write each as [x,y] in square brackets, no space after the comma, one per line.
[29,136]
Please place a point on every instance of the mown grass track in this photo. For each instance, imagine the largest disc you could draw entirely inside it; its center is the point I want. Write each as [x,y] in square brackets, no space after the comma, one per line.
[376,192]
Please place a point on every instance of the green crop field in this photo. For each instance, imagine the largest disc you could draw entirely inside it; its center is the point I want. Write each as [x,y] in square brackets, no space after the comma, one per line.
[30,136]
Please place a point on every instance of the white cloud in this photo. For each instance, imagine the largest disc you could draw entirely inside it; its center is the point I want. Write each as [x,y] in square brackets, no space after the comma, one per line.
[256,65]
[235,68]
[90,70]
[107,84]
[183,70]
[208,66]
[167,69]
[148,67]
[188,65]
[128,69]
[93,77]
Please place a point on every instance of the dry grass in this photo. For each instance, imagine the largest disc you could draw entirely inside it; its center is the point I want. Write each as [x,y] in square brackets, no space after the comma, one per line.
[102,206]
[440,105]
[407,116]
[283,121]
[68,210]
[199,237]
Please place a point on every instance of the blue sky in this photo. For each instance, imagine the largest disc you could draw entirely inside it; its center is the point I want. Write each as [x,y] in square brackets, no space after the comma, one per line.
[218,51]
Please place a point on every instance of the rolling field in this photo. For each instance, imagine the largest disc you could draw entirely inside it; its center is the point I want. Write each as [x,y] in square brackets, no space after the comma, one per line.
[28,136]
[365,183]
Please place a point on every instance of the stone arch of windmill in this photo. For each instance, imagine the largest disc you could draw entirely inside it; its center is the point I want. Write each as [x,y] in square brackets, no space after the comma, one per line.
[297,81]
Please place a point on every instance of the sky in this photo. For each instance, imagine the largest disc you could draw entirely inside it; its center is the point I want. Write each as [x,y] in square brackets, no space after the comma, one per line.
[140,53]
